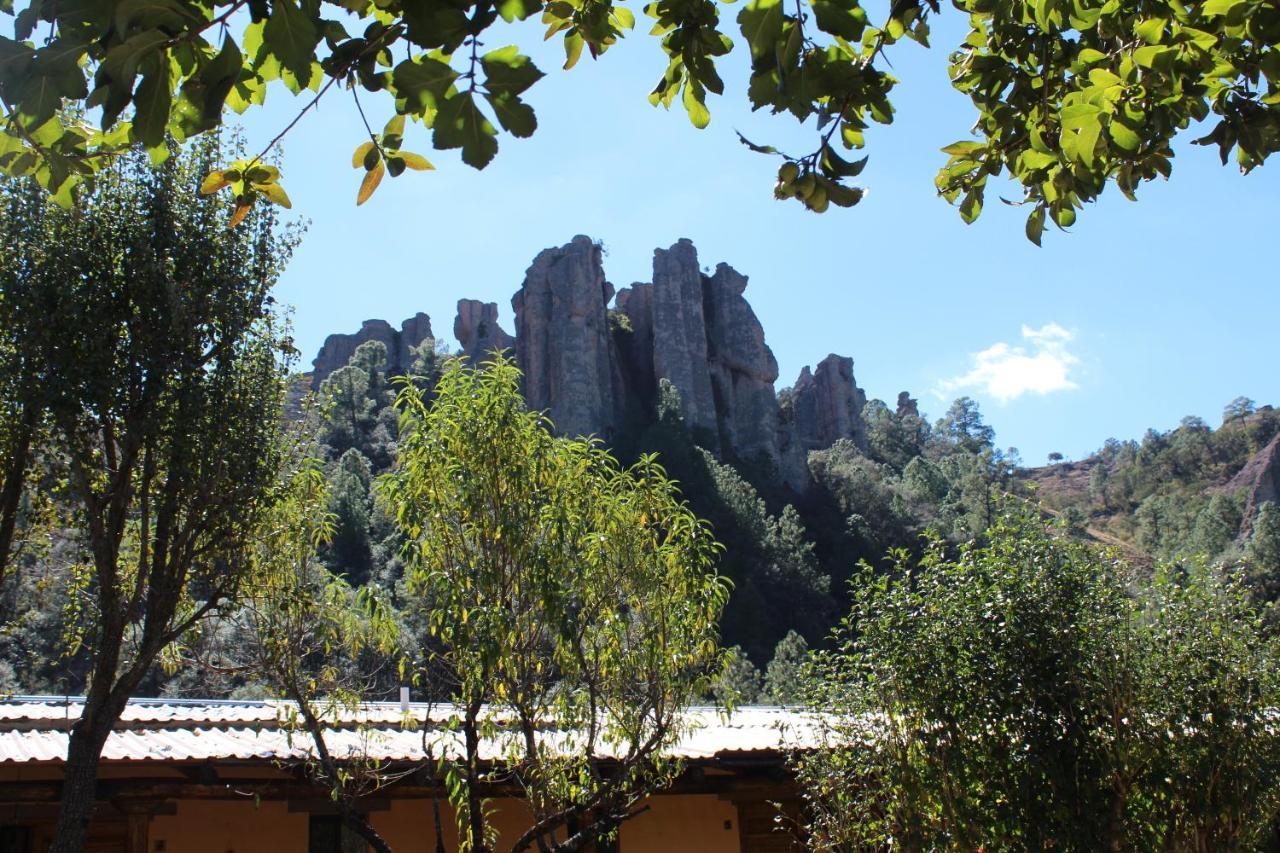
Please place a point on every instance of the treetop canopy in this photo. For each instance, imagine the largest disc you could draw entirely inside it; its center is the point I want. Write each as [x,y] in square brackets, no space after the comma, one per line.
[1071,95]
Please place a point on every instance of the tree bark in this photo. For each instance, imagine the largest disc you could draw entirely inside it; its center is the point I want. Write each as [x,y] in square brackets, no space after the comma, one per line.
[15,475]
[80,780]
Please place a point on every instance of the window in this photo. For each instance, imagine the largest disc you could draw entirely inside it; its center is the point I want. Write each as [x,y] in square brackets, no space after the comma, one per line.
[327,834]
[15,839]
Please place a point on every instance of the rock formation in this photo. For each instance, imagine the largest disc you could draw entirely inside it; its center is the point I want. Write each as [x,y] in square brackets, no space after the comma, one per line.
[338,349]
[827,405]
[477,330]
[1259,479]
[680,335]
[562,339]
[594,370]
[742,368]
[907,405]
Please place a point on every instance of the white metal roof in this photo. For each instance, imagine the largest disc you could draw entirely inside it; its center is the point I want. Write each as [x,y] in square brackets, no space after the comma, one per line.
[36,729]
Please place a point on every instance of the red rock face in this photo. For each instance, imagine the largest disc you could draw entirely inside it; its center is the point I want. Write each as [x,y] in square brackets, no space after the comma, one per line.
[1260,478]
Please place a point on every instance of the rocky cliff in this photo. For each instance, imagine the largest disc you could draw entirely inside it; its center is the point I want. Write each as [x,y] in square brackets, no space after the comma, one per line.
[593,361]
[1259,481]
[338,348]
[477,330]
[827,405]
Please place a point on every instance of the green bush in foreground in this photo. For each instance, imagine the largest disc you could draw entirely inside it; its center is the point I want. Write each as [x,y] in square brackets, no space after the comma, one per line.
[1019,696]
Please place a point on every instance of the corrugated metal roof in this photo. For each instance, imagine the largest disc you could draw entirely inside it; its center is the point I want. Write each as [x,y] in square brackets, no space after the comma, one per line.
[36,729]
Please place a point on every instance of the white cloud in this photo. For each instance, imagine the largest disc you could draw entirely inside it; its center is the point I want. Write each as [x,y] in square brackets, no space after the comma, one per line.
[1040,365]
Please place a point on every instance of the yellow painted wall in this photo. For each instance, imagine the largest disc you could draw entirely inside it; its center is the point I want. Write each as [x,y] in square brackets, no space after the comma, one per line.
[676,824]
[692,823]
[218,826]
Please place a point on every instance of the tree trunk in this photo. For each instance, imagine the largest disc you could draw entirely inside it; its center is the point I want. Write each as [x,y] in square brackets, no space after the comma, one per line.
[80,782]
[15,474]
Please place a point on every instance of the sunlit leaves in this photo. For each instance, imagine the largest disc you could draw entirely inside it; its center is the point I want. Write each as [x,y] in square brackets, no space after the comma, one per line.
[512,581]
[459,123]
[249,180]
[1070,96]
[291,36]
[508,74]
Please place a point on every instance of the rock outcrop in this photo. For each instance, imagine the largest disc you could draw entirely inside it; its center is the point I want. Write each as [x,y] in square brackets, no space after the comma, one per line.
[477,330]
[680,335]
[563,344]
[743,369]
[907,405]
[827,405]
[1259,479]
[593,369]
[338,349]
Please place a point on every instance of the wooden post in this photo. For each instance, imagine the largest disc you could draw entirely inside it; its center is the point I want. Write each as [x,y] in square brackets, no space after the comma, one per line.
[138,839]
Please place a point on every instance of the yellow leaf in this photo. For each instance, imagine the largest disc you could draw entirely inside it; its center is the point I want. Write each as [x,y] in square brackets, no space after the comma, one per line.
[276,195]
[357,159]
[416,161]
[216,181]
[370,183]
[241,211]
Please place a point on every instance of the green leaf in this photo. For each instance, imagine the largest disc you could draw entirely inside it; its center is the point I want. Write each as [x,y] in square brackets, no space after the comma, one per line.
[515,116]
[963,148]
[1223,8]
[1035,225]
[275,194]
[508,72]
[837,167]
[433,23]
[1081,127]
[460,124]
[152,14]
[843,18]
[291,37]
[761,23]
[1151,30]
[151,105]
[1159,58]
[759,149]
[517,10]
[1124,136]
[423,82]
[362,151]
[695,104]
[416,161]
[573,44]
[625,18]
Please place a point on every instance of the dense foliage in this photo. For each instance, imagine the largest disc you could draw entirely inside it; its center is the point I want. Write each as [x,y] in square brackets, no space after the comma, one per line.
[1021,696]
[1175,495]
[145,359]
[1069,96]
[554,585]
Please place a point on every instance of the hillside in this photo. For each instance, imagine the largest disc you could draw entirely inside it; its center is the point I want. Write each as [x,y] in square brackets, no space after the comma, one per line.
[800,483]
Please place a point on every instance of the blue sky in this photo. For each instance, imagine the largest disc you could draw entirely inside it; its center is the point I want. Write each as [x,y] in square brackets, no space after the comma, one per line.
[1140,315]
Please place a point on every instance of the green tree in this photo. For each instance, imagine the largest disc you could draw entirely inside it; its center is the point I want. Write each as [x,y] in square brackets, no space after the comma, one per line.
[350,547]
[303,632]
[1069,98]
[783,684]
[1262,555]
[740,683]
[1240,407]
[160,356]
[963,426]
[556,586]
[1017,696]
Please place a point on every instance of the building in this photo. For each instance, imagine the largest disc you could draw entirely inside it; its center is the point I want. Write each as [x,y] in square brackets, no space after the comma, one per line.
[184,776]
